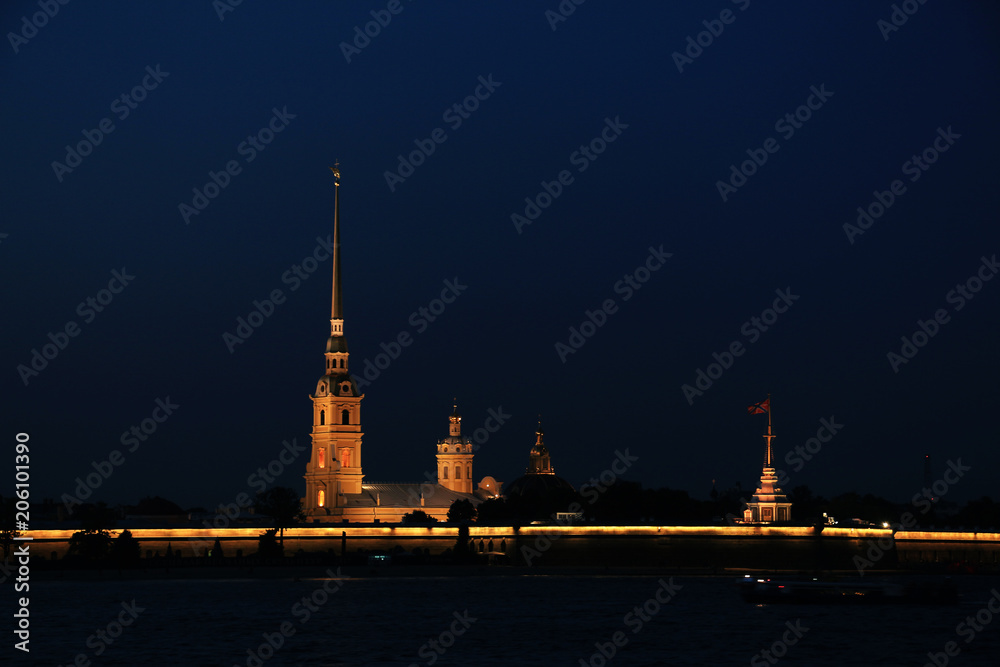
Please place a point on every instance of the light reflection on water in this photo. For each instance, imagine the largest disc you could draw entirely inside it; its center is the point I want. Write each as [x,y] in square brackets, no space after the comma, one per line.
[522,620]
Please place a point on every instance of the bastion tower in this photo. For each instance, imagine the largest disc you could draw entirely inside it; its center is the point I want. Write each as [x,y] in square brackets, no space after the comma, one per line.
[334,468]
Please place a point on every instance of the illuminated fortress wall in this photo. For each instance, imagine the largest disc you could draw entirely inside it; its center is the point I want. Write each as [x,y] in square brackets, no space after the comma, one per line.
[763,547]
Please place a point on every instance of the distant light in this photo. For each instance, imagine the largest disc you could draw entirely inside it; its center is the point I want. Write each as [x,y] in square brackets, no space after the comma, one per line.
[885,524]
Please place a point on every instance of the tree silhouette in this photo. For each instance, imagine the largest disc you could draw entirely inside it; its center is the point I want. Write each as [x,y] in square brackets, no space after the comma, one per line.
[268,545]
[418,516]
[494,511]
[125,549]
[284,507]
[461,510]
[463,553]
[94,541]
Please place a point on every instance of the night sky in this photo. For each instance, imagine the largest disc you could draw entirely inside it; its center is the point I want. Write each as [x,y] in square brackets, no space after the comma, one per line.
[831,104]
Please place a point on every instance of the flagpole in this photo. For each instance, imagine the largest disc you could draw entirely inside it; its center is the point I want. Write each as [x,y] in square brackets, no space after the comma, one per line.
[768,461]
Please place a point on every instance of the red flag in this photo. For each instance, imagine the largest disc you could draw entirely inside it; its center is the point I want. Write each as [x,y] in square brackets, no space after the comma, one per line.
[759,408]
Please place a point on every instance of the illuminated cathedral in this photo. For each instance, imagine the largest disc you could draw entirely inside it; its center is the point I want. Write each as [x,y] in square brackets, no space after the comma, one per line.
[335,486]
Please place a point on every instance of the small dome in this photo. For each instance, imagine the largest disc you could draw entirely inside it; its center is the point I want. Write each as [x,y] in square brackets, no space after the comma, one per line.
[490,486]
[336,344]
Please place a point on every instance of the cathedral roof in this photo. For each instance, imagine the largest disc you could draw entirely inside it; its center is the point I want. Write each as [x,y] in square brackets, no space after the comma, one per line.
[540,485]
[406,495]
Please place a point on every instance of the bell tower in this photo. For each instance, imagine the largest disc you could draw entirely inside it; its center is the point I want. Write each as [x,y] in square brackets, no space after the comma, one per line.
[454,457]
[334,468]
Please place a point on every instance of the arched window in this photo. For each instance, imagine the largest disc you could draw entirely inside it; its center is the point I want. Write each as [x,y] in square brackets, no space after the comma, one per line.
[468,471]
[445,471]
[322,417]
[345,458]
[345,417]
[458,472]
[321,457]
[320,498]
[341,363]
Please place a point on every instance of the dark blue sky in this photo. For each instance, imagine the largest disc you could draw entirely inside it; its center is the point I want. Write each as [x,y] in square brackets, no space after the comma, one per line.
[553,91]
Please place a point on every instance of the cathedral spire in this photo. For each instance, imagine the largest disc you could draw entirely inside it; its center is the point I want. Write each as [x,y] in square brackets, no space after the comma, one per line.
[337,305]
[336,345]
[539,461]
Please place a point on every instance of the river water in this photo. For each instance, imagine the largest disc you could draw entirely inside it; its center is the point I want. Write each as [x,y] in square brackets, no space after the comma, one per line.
[516,619]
